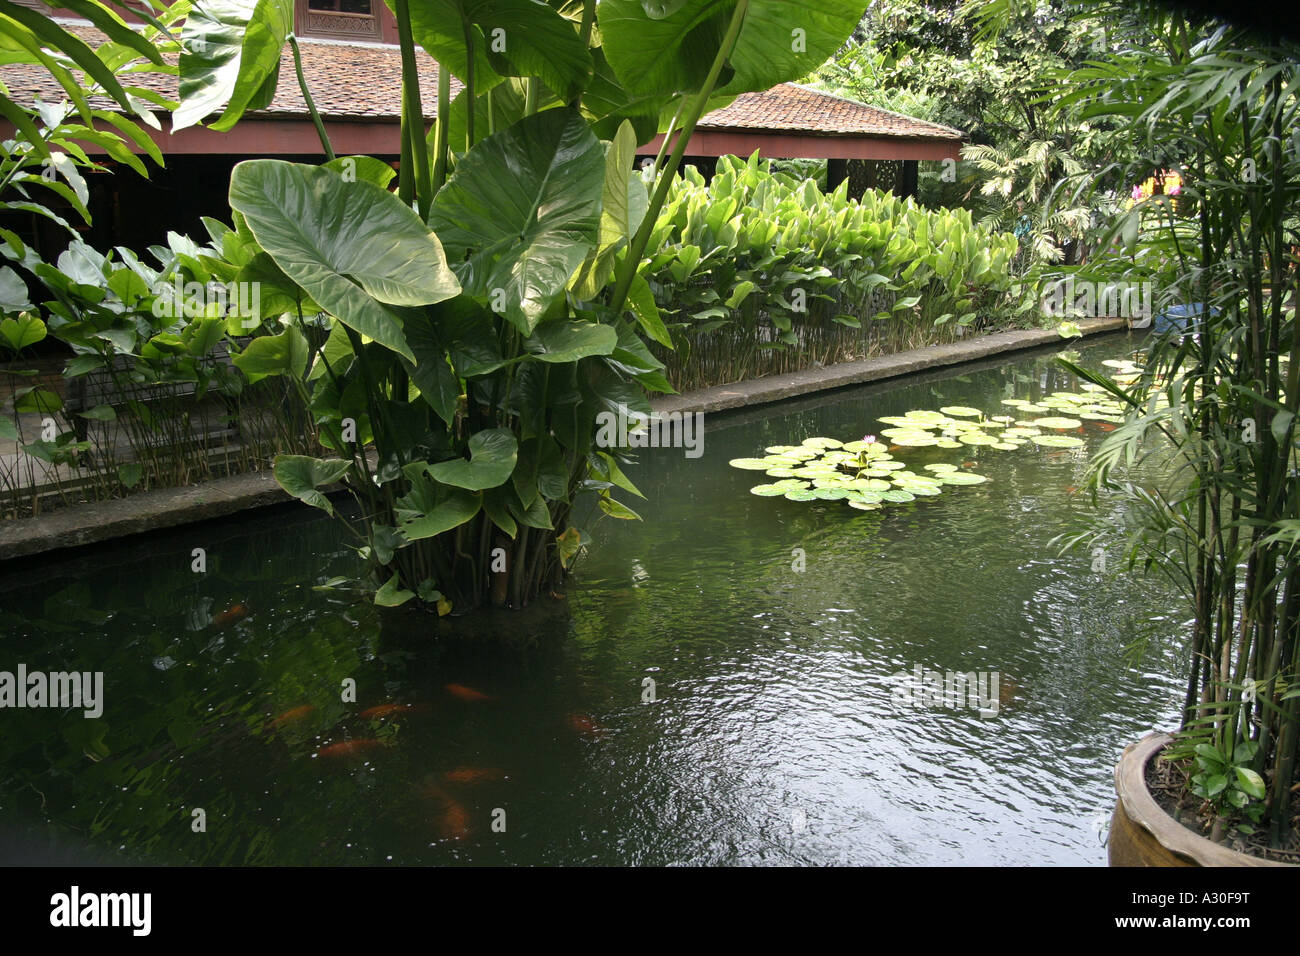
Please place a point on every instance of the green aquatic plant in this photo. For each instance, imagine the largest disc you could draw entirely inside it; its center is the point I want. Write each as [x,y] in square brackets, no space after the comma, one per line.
[460,340]
[759,273]
[867,476]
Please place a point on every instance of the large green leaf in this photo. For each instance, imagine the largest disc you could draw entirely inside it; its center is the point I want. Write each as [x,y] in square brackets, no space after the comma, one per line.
[22,331]
[528,38]
[662,54]
[522,212]
[438,26]
[503,106]
[515,37]
[437,383]
[266,355]
[302,477]
[672,48]
[230,55]
[429,510]
[469,331]
[608,104]
[352,246]
[784,40]
[623,206]
[493,453]
[568,340]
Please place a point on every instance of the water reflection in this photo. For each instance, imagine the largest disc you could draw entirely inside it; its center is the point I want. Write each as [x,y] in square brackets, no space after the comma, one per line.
[774,735]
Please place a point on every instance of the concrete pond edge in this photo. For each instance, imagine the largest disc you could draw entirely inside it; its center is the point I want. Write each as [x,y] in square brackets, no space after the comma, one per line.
[96,522]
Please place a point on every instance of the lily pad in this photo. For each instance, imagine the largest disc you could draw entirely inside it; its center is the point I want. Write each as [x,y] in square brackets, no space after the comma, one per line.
[749,464]
[923,490]
[962,478]
[939,467]
[1057,441]
[961,411]
[977,438]
[864,505]
[767,491]
[916,441]
[832,494]
[897,495]
[1065,424]
[801,494]
[822,443]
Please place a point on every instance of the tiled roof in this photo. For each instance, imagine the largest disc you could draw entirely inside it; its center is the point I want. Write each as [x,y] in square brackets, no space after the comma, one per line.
[364,81]
[799,109]
[347,81]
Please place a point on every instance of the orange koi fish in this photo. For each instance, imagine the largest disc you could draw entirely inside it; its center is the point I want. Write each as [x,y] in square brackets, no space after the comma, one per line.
[349,748]
[1106,426]
[228,617]
[474,775]
[289,716]
[969,464]
[387,710]
[453,822]
[461,692]
[582,724]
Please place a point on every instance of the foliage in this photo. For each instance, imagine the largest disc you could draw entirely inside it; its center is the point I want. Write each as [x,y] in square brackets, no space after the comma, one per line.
[1219,404]
[993,70]
[456,342]
[131,334]
[756,271]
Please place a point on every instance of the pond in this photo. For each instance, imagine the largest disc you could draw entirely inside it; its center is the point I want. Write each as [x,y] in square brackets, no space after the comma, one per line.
[774,730]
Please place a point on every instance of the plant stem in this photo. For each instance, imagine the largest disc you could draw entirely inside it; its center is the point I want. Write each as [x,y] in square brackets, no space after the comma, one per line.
[307,98]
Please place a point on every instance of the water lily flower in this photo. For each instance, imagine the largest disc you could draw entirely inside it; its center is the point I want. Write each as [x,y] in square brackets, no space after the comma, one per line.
[869,439]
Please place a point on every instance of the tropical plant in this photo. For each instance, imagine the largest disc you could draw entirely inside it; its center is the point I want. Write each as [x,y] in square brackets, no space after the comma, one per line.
[757,272]
[1219,405]
[457,341]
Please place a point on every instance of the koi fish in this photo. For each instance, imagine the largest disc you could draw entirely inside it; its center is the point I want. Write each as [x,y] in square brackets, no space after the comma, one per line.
[582,724]
[289,716]
[349,748]
[474,775]
[387,710]
[453,822]
[461,692]
[1008,690]
[969,464]
[1106,426]
[230,616]
[1071,489]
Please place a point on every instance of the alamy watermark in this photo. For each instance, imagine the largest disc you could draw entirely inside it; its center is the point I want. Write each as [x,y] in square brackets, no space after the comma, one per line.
[630,429]
[954,690]
[76,689]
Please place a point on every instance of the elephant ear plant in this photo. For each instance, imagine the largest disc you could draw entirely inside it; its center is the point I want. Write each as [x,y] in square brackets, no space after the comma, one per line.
[457,339]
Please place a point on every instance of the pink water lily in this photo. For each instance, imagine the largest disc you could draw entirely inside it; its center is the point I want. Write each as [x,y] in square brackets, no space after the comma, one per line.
[869,439]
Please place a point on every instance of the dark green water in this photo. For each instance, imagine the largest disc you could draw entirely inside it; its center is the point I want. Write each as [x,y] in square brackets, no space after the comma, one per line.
[774,736]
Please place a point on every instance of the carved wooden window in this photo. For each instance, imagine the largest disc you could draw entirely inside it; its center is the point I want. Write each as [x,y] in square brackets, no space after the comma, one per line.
[344,19]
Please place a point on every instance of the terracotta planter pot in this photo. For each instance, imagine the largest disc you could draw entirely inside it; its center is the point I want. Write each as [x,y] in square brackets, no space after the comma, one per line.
[1142,834]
